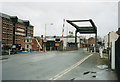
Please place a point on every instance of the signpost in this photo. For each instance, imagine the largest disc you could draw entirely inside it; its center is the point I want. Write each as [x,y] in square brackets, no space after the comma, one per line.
[45,44]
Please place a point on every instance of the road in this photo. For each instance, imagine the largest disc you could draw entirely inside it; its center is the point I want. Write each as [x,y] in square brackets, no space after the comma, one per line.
[55,65]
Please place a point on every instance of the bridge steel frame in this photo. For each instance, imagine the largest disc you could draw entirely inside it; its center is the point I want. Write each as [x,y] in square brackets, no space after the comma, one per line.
[84,29]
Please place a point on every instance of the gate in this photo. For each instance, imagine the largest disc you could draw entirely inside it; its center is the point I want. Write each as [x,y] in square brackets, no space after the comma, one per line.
[117,57]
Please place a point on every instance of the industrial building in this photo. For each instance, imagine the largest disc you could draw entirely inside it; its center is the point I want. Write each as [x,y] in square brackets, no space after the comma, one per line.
[13,30]
[67,42]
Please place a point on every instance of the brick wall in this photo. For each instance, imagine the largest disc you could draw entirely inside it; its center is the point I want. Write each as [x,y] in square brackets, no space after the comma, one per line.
[33,43]
[7,32]
[19,33]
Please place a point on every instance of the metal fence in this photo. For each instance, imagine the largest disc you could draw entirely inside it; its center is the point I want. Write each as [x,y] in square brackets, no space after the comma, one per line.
[117,57]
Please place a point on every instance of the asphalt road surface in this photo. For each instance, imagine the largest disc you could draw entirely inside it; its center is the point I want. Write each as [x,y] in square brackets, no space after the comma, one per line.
[55,65]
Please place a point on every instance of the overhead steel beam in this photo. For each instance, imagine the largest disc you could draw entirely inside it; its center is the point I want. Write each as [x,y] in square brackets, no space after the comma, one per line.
[85,29]
[73,24]
[93,24]
[77,20]
[87,32]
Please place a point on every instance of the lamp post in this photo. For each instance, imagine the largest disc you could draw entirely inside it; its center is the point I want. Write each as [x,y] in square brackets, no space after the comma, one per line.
[45,36]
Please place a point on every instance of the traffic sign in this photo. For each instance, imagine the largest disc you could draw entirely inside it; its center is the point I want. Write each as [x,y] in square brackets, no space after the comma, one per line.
[57,44]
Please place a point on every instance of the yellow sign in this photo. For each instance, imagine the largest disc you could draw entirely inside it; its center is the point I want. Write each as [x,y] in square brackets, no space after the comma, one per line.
[57,44]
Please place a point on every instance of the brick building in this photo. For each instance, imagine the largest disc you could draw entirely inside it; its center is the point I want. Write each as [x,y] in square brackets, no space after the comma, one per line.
[91,41]
[32,43]
[83,42]
[13,29]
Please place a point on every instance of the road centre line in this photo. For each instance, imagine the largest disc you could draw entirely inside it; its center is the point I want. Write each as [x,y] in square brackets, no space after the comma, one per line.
[70,68]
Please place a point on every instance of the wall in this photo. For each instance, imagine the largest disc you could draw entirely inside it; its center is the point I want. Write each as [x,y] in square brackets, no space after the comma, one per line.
[113,36]
[33,45]
[65,40]
[7,32]
[0,29]
[106,41]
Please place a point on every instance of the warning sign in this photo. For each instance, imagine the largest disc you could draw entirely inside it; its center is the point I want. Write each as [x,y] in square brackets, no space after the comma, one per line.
[57,44]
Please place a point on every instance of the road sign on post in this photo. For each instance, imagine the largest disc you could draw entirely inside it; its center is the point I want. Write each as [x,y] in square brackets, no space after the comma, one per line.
[45,44]
[57,44]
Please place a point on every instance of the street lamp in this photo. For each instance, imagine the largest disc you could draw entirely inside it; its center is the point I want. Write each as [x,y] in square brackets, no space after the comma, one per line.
[45,36]
[45,28]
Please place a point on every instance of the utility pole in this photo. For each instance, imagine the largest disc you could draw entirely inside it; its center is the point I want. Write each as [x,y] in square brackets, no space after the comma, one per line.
[45,37]
[108,46]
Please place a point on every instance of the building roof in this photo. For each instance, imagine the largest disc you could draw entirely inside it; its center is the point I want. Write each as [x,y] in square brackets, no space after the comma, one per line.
[91,38]
[118,32]
[20,21]
[9,17]
[4,15]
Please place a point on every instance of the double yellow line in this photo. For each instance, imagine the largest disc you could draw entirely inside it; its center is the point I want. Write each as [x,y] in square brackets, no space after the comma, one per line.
[70,68]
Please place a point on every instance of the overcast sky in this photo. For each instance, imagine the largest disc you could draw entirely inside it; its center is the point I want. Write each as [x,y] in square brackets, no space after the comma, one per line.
[104,14]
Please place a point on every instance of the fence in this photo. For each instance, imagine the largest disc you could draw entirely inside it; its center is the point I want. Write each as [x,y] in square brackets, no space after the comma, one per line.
[117,57]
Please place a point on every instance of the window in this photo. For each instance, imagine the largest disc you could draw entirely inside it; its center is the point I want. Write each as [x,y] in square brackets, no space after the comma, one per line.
[37,46]
[27,40]
[27,46]
[30,46]
[30,41]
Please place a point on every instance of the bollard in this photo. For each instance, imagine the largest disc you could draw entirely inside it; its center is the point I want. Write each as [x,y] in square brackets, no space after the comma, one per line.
[9,51]
[45,49]
[113,55]
[50,48]
[94,50]
[91,51]
[101,54]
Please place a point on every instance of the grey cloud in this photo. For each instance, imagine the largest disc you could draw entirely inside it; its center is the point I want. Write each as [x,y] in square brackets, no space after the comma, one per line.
[104,14]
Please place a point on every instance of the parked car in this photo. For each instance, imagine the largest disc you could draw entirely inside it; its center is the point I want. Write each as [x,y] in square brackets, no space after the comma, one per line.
[13,49]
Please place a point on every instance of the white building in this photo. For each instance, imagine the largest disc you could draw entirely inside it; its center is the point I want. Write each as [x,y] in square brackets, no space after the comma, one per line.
[112,36]
[70,39]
